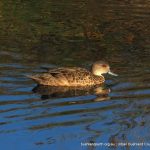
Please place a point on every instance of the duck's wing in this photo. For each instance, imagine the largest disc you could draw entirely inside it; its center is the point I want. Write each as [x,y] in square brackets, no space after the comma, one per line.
[73,76]
[71,71]
[64,69]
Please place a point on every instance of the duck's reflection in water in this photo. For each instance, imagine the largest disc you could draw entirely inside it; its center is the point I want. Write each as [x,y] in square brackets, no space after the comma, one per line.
[47,92]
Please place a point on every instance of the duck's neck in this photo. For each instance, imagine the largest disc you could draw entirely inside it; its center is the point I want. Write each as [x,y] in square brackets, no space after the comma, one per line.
[96,72]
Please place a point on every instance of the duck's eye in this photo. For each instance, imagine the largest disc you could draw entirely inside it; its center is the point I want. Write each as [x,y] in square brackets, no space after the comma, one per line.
[103,65]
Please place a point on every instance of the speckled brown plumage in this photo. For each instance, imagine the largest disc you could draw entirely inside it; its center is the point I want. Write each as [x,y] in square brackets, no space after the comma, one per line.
[74,76]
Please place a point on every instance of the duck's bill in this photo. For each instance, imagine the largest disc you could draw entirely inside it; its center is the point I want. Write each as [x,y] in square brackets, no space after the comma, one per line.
[111,73]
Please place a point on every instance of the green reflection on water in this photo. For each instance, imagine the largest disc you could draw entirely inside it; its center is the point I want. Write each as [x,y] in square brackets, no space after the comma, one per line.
[68,31]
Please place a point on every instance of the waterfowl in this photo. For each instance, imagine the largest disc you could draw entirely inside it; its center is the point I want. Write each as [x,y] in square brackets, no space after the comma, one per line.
[74,76]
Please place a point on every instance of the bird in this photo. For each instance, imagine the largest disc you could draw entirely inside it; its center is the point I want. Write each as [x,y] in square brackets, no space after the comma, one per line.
[73,76]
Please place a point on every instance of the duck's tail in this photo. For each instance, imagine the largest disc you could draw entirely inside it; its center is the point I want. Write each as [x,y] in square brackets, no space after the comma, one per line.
[36,78]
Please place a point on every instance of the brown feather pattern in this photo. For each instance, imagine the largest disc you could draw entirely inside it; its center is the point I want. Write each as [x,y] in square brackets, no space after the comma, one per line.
[74,76]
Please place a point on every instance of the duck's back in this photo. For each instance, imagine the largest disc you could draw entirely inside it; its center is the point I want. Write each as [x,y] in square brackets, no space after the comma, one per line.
[73,76]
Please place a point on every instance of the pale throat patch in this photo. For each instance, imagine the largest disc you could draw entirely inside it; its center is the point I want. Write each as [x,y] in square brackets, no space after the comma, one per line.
[97,73]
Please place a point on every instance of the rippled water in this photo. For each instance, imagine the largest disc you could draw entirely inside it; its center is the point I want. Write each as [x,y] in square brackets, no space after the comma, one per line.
[68,33]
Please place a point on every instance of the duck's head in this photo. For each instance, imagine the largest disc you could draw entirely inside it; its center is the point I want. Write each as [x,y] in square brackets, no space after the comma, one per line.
[101,67]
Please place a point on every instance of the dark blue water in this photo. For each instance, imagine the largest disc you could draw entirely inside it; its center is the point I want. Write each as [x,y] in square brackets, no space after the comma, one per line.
[68,33]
